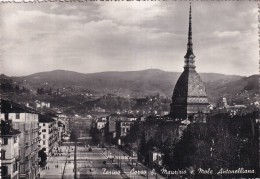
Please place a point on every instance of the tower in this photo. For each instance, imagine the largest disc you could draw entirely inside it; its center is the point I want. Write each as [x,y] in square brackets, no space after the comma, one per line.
[189,95]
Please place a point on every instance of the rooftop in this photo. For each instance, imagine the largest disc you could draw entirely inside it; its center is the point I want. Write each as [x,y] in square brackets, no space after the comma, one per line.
[45,119]
[12,107]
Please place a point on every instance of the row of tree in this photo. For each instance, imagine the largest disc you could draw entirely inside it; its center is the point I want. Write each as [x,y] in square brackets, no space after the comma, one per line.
[223,142]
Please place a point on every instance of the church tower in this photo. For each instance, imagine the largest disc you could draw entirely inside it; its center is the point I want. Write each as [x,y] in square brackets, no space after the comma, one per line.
[189,95]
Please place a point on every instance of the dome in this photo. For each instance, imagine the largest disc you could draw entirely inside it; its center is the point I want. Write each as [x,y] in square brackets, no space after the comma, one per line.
[189,95]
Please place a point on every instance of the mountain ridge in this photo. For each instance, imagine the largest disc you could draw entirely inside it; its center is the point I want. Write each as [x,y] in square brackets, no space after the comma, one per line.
[134,83]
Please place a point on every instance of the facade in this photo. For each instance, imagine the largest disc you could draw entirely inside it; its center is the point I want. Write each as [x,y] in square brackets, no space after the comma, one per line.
[189,95]
[26,121]
[124,124]
[119,125]
[101,123]
[223,103]
[124,127]
[48,133]
[10,152]
[40,104]
[155,158]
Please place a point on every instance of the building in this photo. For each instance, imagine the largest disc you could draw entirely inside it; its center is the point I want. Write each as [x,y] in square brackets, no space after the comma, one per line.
[123,127]
[99,123]
[48,134]
[26,121]
[155,158]
[124,124]
[10,152]
[40,104]
[223,103]
[189,95]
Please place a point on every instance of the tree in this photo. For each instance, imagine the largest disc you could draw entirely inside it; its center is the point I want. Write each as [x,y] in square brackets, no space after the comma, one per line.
[43,157]
[74,136]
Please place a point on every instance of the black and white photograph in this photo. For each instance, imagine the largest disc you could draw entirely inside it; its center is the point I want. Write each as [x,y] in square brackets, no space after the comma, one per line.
[129,89]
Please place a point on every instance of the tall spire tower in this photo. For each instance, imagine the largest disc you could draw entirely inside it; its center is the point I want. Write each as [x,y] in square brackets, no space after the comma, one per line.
[189,57]
[189,95]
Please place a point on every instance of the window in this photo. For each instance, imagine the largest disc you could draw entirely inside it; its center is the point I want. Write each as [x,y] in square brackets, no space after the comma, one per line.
[6,116]
[2,154]
[17,116]
[5,141]
[4,170]
[44,130]
[16,166]
[43,142]
[43,124]
[43,136]
[15,139]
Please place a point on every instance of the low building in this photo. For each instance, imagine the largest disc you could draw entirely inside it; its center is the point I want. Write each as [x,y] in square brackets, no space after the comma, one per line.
[41,104]
[10,152]
[26,121]
[99,123]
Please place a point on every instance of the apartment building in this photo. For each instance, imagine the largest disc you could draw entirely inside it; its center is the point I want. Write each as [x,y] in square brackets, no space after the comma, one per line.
[10,151]
[26,121]
[48,133]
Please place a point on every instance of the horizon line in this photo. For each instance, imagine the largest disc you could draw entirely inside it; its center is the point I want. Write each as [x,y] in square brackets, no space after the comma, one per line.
[123,71]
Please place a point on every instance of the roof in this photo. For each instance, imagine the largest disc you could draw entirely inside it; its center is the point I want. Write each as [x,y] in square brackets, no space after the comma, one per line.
[7,129]
[45,119]
[12,107]
[189,91]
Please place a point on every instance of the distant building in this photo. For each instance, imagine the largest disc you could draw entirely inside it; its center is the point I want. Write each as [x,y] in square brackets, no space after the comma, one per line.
[223,103]
[10,151]
[123,127]
[98,109]
[26,121]
[124,124]
[61,115]
[63,124]
[41,104]
[48,133]
[99,123]
[155,158]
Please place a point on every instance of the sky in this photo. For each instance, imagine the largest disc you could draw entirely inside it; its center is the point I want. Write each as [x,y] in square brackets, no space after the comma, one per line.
[91,37]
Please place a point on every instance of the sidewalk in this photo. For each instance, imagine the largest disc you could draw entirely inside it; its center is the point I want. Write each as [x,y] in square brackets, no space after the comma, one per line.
[55,165]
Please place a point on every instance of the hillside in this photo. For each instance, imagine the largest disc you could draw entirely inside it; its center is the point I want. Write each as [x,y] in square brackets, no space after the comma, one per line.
[133,83]
[123,83]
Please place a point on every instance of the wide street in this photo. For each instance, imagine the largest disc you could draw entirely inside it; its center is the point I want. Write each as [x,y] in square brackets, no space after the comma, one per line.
[95,164]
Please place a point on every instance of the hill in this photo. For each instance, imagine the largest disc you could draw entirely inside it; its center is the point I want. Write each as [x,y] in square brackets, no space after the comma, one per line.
[133,83]
[124,83]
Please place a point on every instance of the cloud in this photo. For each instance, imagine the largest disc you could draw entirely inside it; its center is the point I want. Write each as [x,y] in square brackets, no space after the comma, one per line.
[227,34]
[128,36]
[132,12]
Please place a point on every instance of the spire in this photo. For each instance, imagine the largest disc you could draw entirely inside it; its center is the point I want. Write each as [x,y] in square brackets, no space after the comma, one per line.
[190,44]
